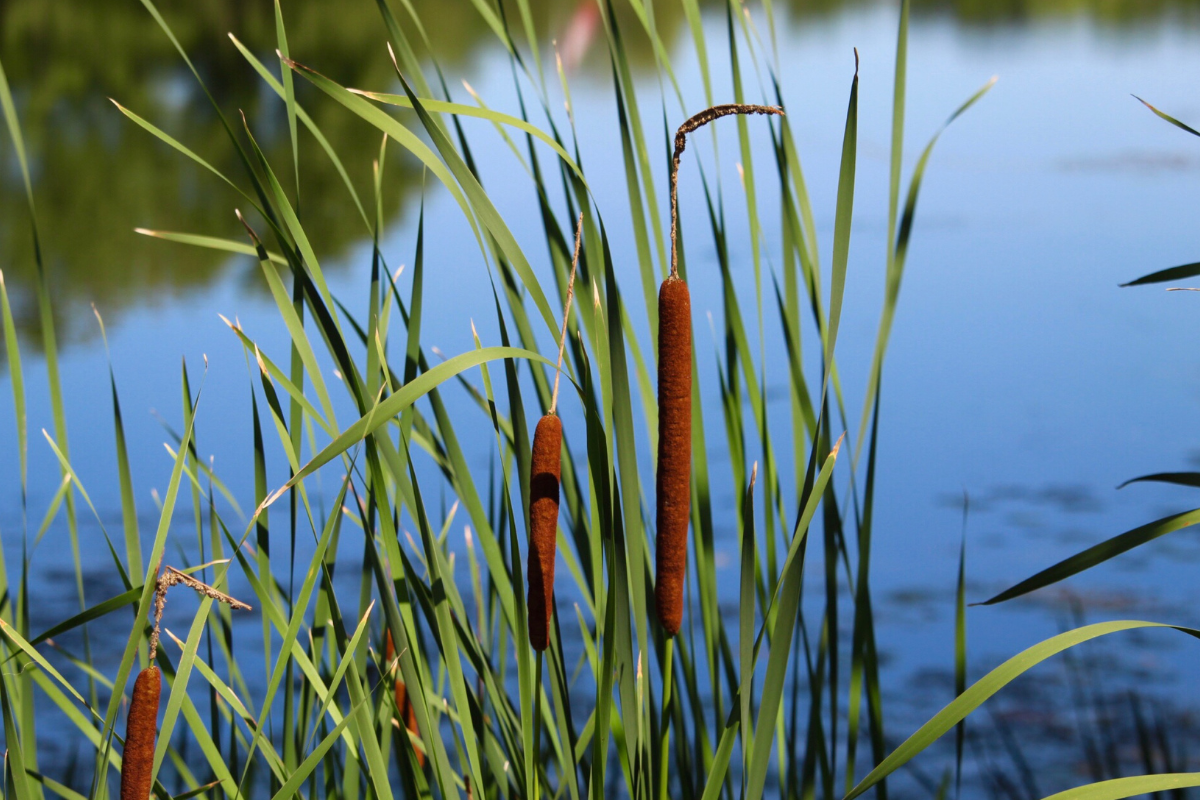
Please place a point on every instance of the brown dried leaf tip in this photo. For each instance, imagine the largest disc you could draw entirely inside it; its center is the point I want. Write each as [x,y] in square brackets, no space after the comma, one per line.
[673,481]
[405,713]
[545,473]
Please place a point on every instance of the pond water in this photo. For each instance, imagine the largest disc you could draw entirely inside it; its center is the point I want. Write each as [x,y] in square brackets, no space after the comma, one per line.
[1018,374]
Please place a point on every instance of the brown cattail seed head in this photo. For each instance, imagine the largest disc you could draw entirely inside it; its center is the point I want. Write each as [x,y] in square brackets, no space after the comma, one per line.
[137,765]
[545,472]
[404,706]
[674,449]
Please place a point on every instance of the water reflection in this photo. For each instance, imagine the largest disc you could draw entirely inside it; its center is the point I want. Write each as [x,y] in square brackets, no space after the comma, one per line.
[97,176]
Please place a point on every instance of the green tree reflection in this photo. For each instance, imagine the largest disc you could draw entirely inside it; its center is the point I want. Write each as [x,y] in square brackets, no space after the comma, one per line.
[97,176]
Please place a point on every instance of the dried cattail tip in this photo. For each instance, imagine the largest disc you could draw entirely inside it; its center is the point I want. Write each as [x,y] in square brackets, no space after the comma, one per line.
[674,449]
[137,765]
[404,707]
[690,125]
[545,474]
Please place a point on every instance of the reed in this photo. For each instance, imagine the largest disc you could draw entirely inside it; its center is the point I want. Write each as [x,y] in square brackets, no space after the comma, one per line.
[673,500]
[545,477]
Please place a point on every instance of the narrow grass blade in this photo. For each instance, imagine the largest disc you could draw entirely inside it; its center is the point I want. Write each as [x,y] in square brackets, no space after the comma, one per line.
[289,94]
[746,617]
[1098,554]
[898,255]
[163,136]
[303,116]
[1130,787]
[842,219]
[14,758]
[384,411]
[786,622]
[209,242]
[37,658]
[1168,118]
[720,763]
[16,377]
[1178,478]
[991,683]
[1171,274]
[960,648]
[495,117]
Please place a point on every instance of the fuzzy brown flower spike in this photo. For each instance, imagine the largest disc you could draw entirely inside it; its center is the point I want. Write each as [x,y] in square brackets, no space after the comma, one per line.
[673,484]
[545,473]
[137,764]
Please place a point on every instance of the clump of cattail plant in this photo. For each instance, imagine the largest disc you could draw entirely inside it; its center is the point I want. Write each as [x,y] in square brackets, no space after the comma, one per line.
[673,483]
[405,712]
[545,472]
[137,762]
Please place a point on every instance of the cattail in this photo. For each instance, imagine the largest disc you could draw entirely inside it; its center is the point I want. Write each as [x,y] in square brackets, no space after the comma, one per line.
[137,764]
[545,472]
[674,448]
[673,482]
[404,706]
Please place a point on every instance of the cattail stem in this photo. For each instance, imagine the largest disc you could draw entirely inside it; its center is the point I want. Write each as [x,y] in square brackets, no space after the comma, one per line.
[673,481]
[562,337]
[664,754]
[692,123]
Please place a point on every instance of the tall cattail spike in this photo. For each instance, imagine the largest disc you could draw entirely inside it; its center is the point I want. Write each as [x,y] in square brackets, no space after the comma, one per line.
[137,761]
[673,482]
[545,474]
